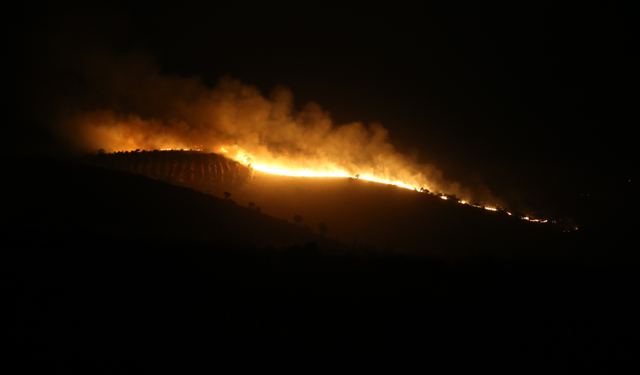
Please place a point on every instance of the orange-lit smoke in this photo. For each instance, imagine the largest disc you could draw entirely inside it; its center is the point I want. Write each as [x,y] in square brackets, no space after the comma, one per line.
[129,105]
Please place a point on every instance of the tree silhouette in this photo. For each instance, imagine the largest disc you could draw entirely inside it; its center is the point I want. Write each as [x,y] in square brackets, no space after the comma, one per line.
[358,176]
[252,205]
[297,219]
[227,195]
[322,227]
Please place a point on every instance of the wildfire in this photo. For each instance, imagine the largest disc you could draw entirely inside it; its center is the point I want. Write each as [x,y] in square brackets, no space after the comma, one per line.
[247,159]
[195,148]
[267,134]
[243,157]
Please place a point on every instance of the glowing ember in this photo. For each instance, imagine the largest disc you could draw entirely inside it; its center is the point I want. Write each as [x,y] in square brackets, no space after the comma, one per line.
[181,149]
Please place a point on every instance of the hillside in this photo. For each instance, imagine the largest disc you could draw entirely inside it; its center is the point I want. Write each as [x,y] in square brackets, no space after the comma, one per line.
[103,270]
[59,197]
[365,215]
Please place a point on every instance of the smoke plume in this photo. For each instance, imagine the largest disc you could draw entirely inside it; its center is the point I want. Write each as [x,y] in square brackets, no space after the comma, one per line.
[127,104]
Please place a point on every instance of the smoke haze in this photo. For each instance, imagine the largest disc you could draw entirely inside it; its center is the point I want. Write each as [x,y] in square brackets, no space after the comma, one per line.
[125,103]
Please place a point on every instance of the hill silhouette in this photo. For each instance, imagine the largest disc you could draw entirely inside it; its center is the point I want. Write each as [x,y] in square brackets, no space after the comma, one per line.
[365,215]
[104,270]
[74,199]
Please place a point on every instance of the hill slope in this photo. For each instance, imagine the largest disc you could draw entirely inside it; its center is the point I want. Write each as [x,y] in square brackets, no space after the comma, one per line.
[362,214]
[103,271]
[58,197]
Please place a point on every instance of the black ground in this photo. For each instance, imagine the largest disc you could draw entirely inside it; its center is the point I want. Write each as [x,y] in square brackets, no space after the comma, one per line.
[95,278]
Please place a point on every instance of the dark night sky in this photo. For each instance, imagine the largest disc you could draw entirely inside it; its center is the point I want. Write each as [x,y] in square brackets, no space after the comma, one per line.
[526,97]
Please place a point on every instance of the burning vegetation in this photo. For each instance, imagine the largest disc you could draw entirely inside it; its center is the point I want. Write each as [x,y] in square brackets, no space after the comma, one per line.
[129,105]
[194,167]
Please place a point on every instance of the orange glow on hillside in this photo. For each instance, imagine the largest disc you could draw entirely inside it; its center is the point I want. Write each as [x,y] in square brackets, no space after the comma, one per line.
[283,168]
[324,171]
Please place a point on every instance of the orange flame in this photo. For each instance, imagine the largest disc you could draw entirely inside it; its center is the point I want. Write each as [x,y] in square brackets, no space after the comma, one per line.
[245,158]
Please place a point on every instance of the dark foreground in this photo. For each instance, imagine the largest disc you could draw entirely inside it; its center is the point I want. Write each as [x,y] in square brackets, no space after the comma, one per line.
[122,300]
[121,304]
